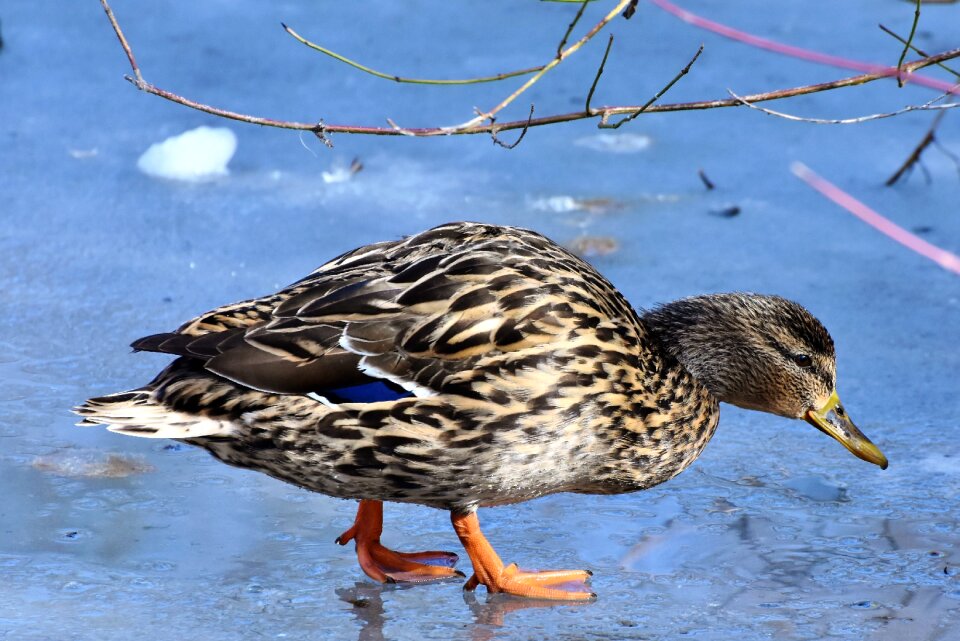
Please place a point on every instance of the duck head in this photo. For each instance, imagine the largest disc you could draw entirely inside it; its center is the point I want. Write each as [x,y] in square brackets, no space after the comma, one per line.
[761,353]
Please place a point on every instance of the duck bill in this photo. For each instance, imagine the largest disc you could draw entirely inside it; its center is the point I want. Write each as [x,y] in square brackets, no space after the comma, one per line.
[832,420]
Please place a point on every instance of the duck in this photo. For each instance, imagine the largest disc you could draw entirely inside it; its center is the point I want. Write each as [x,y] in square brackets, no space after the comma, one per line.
[474,365]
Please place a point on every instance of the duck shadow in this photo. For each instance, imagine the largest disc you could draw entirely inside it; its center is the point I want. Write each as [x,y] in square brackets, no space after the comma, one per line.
[489,612]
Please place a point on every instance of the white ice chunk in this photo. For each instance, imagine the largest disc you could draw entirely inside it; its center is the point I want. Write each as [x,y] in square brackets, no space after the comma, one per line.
[198,154]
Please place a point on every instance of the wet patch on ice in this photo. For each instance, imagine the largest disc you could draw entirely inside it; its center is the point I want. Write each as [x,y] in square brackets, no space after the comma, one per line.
[564,204]
[92,465]
[592,246]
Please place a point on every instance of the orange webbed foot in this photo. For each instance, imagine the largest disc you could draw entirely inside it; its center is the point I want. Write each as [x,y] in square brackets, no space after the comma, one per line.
[387,566]
[558,585]
[568,585]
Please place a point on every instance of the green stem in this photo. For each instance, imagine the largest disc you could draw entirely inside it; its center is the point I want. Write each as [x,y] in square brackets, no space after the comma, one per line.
[413,81]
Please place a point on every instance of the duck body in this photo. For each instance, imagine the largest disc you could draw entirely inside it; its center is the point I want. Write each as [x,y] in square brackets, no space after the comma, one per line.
[474,365]
[529,374]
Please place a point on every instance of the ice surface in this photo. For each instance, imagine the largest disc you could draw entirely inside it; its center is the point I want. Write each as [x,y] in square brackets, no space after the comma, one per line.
[615,143]
[199,154]
[776,532]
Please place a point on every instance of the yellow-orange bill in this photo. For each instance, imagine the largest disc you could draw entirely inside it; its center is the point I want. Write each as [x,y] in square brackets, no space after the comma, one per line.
[833,421]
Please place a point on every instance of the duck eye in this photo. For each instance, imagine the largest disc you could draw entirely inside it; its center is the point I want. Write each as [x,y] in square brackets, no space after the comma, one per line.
[802,360]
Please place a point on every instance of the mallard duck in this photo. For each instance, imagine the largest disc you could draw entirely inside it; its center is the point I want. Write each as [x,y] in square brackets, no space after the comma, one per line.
[474,365]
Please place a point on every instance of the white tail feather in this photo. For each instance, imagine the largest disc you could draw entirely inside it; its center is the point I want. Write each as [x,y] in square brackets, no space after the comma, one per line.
[137,414]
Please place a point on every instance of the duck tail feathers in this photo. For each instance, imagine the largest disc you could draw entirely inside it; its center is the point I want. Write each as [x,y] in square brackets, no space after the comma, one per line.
[138,413]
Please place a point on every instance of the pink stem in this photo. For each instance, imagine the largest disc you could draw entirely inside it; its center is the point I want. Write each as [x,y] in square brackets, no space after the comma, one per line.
[942,257]
[798,52]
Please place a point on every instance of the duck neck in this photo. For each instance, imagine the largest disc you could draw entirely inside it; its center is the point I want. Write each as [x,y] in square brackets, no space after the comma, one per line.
[694,333]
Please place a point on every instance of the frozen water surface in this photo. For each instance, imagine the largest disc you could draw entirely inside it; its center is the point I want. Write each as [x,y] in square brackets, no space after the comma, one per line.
[775,533]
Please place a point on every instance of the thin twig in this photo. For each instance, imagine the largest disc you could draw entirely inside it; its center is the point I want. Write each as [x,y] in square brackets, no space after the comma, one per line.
[123,43]
[401,79]
[914,156]
[497,141]
[571,27]
[563,55]
[603,123]
[927,106]
[906,45]
[596,78]
[918,50]
[601,112]
[400,130]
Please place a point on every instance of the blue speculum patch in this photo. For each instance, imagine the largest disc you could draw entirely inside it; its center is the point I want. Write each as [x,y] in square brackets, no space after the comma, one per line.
[366,393]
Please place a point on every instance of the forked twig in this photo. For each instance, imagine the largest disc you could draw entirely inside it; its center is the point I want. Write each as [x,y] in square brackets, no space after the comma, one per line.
[561,56]
[914,156]
[919,51]
[646,105]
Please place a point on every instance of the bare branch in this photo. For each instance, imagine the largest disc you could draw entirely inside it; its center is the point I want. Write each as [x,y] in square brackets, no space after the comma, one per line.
[485,128]
[906,45]
[927,106]
[400,79]
[603,123]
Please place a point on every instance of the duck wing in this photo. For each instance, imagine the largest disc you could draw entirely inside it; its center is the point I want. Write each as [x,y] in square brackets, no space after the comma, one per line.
[434,313]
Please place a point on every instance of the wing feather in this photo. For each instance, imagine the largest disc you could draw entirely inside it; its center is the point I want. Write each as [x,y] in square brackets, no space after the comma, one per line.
[430,313]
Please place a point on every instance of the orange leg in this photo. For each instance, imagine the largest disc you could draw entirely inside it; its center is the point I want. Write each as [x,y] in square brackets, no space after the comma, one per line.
[385,565]
[489,569]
